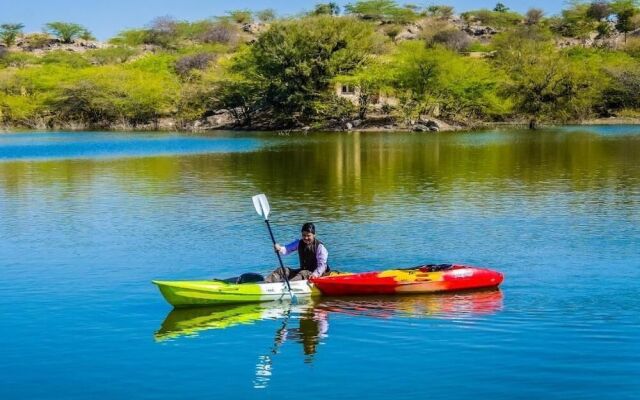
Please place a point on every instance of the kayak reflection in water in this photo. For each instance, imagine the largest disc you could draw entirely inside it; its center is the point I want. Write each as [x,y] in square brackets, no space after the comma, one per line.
[312,253]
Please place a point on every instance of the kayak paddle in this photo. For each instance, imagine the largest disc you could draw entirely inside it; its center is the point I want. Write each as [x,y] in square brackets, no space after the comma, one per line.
[262,208]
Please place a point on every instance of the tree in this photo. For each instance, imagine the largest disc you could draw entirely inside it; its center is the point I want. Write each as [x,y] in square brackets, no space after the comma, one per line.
[9,33]
[66,31]
[534,16]
[326,9]
[439,81]
[575,22]
[543,83]
[85,102]
[266,15]
[500,8]
[599,10]
[381,10]
[625,10]
[294,62]
[241,16]
[624,90]
[440,11]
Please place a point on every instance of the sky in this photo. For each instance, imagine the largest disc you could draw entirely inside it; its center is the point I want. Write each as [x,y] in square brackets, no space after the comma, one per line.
[106,18]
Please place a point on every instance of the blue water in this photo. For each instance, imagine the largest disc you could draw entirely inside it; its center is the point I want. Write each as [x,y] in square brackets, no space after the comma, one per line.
[87,220]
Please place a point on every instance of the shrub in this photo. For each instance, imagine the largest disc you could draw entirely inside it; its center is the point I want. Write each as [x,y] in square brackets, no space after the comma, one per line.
[111,55]
[17,59]
[195,61]
[221,32]
[452,39]
[334,109]
[61,57]
[38,41]
[130,37]
[162,32]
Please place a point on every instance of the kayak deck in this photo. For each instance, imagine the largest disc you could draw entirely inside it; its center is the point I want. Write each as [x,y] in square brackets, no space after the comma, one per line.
[424,279]
[207,293]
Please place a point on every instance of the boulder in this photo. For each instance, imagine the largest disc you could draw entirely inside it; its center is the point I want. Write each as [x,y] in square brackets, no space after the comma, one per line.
[220,119]
[406,35]
[420,128]
[254,28]
[480,30]
[433,124]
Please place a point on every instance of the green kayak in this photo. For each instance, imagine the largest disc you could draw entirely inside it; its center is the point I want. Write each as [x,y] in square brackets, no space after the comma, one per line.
[214,292]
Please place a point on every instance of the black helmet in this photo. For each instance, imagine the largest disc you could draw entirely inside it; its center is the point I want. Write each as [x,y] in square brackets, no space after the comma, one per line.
[309,227]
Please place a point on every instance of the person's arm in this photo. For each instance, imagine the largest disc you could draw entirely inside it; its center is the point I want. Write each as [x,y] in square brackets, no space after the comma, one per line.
[322,255]
[290,248]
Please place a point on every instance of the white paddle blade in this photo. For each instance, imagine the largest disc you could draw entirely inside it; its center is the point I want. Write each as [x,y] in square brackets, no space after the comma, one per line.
[261,204]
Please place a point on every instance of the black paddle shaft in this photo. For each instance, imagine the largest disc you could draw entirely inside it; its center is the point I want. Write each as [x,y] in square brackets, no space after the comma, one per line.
[284,271]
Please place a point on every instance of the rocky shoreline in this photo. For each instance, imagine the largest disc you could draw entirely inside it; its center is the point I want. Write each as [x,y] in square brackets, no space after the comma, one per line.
[424,126]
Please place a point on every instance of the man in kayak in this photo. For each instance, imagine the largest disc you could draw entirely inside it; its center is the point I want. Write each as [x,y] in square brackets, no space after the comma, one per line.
[311,252]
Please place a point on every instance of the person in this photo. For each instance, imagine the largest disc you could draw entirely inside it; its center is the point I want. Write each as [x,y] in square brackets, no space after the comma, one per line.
[312,253]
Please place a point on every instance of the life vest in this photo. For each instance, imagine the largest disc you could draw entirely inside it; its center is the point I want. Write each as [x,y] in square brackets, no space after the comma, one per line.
[307,255]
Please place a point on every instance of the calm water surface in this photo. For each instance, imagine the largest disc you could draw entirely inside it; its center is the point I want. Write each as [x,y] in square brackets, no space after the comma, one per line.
[88,219]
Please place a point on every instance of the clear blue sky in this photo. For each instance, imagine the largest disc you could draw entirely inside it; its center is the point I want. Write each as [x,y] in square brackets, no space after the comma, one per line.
[106,18]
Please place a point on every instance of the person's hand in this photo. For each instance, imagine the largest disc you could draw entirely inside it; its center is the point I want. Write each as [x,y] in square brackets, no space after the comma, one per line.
[277,247]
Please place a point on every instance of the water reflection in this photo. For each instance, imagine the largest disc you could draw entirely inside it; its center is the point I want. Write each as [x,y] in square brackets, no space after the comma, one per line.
[352,169]
[307,324]
[313,315]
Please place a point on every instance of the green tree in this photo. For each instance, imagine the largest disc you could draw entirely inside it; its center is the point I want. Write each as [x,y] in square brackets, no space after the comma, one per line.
[533,16]
[66,31]
[599,10]
[241,16]
[9,33]
[439,81]
[575,21]
[381,10]
[330,8]
[266,15]
[440,11]
[500,8]
[295,61]
[625,11]
[543,84]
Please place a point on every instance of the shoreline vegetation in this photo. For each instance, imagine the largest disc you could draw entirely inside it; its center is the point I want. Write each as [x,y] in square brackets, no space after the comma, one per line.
[375,65]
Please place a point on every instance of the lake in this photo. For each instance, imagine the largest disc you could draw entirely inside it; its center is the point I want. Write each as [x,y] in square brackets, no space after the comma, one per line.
[88,219]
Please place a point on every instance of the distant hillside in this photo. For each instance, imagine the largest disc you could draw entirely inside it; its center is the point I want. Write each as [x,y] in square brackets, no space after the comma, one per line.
[374,64]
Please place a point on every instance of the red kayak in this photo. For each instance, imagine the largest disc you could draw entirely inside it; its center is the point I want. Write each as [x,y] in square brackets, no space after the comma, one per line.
[421,279]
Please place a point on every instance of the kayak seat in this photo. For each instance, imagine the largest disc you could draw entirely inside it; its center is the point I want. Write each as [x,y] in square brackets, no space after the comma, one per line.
[431,267]
[249,277]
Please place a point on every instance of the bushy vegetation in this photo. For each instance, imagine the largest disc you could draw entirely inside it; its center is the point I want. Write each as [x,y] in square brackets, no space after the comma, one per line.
[271,72]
